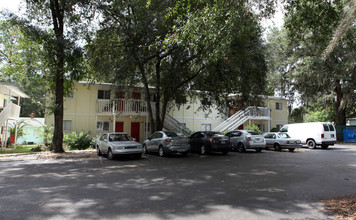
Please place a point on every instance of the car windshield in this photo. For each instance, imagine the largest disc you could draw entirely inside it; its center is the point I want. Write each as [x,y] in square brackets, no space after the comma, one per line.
[120,137]
[284,135]
[171,134]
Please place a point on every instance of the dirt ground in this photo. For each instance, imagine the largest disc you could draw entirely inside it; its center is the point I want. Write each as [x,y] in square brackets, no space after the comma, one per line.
[342,207]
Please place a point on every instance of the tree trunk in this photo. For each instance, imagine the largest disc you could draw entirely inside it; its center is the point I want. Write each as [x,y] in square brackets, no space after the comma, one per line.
[340,117]
[148,97]
[158,95]
[59,57]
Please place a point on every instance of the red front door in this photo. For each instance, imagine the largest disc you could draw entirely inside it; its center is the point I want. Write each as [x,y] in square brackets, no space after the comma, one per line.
[135,130]
[119,126]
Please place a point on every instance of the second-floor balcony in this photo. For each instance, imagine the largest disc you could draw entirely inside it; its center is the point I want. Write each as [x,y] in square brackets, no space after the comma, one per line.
[122,107]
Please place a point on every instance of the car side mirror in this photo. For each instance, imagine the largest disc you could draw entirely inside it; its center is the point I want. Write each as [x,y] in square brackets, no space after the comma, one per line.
[105,140]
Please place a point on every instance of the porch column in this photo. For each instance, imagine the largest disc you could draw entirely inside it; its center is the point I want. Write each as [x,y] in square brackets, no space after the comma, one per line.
[114,117]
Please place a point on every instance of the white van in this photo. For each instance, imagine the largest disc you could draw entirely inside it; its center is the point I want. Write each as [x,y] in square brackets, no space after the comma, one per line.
[312,134]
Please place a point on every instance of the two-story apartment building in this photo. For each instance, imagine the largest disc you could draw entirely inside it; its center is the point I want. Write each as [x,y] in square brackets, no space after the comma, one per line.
[102,107]
[10,97]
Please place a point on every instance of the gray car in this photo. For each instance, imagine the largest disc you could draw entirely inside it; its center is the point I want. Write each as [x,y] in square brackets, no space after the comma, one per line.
[113,144]
[166,142]
[241,140]
[280,141]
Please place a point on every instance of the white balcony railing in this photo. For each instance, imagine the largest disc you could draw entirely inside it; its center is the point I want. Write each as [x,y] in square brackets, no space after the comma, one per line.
[122,107]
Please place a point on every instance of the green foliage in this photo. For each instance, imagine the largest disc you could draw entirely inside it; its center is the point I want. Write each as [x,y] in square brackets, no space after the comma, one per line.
[297,115]
[20,127]
[318,116]
[274,130]
[181,46]
[22,64]
[297,64]
[253,127]
[78,140]
[47,134]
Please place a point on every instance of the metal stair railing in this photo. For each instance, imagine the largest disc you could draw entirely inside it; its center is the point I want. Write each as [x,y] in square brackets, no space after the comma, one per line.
[229,120]
[236,120]
[11,111]
[172,124]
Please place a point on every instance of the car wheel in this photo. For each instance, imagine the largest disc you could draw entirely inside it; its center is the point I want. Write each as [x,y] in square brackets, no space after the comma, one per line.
[258,150]
[110,155]
[241,148]
[311,144]
[225,152]
[324,146]
[145,151]
[291,149]
[161,151]
[277,147]
[98,151]
[202,150]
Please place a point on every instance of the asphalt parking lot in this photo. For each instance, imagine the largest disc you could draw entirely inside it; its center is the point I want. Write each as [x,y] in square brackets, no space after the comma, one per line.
[267,185]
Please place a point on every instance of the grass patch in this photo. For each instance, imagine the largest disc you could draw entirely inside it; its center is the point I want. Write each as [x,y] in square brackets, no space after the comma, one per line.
[19,149]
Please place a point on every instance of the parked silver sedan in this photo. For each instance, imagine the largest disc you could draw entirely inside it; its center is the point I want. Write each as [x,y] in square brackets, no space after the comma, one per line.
[166,142]
[280,141]
[112,144]
[241,140]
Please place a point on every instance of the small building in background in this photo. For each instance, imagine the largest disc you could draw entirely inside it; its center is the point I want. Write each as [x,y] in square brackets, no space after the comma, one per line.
[32,131]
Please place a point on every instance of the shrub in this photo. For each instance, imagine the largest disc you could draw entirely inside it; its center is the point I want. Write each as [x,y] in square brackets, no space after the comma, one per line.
[274,130]
[78,141]
[253,127]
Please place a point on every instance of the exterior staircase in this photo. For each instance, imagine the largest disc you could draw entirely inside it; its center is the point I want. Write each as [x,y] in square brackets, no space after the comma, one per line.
[12,112]
[240,117]
[171,124]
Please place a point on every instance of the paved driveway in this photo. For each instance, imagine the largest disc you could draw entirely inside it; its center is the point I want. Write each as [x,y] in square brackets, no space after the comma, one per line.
[268,185]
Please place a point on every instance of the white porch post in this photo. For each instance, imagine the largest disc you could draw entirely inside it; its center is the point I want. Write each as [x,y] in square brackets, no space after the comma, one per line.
[15,138]
[114,117]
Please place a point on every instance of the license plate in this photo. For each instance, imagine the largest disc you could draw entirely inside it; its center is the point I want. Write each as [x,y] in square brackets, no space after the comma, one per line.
[332,135]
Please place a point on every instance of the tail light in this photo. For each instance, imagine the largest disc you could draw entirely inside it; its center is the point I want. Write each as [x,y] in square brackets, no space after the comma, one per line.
[322,135]
[248,138]
[211,140]
[168,140]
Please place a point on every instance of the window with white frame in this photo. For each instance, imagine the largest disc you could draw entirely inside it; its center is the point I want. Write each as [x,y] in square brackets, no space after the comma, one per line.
[104,94]
[102,125]
[67,125]
[206,127]
[279,106]
[147,126]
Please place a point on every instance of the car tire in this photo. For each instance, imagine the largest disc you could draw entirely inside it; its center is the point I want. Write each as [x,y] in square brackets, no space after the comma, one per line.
[311,144]
[161,152]
[203,150]
[110,155]
[258,150]
[324,146]
[277,147]
[291,149]
[145,151]
[241,148]
[98,151]
[225,152]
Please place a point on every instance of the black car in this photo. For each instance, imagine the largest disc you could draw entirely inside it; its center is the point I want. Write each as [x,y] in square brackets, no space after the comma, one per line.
[209,141]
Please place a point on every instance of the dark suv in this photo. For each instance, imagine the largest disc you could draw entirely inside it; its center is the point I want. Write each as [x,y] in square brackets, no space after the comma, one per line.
[209,141]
